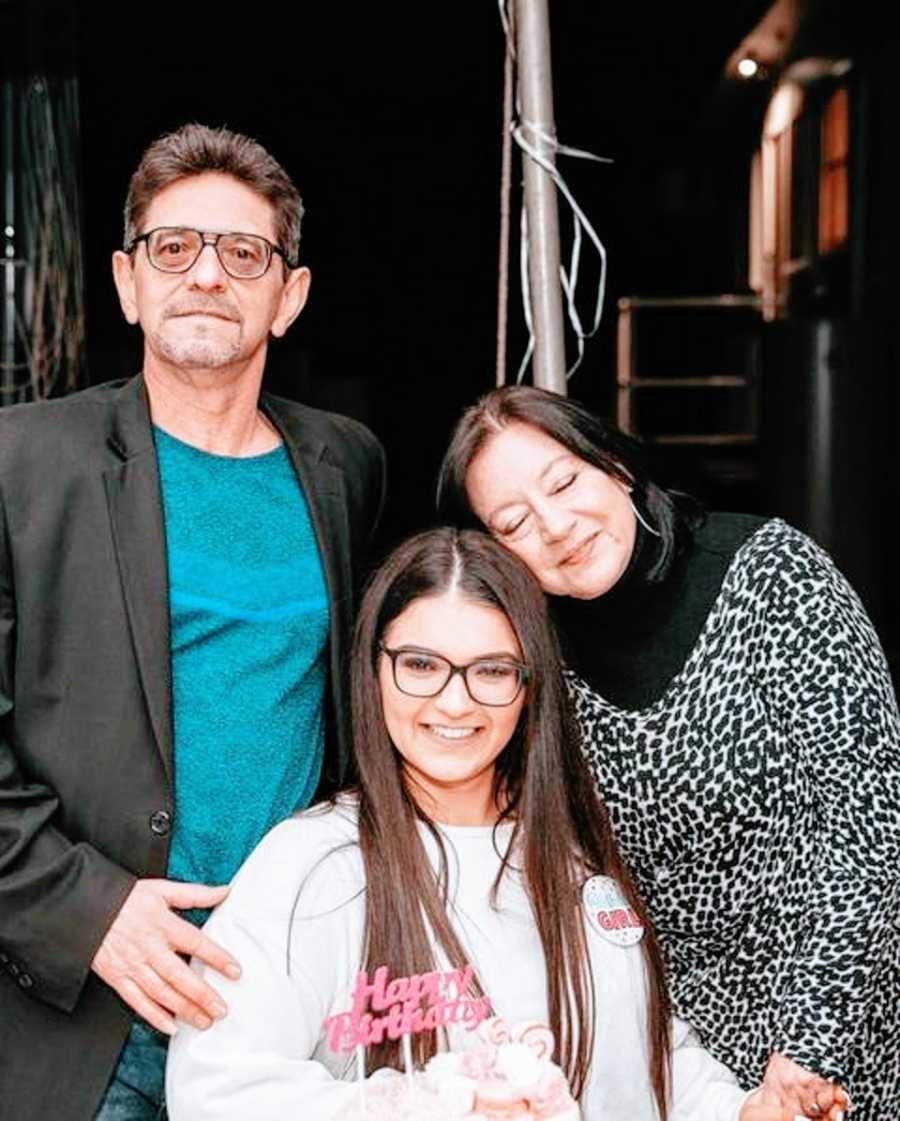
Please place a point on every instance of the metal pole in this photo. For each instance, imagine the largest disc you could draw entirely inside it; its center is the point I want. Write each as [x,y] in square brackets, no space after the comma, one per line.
[536,101]
[505,192]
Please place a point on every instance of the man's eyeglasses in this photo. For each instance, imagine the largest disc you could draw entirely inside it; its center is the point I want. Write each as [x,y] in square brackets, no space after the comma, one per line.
[422,673]
[175,249]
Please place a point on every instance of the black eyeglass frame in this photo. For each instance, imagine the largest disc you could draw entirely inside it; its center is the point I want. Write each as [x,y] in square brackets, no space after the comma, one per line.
[521,670]
[208,237]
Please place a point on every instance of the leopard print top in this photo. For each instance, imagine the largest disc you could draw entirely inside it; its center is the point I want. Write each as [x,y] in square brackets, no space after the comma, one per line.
[758,804]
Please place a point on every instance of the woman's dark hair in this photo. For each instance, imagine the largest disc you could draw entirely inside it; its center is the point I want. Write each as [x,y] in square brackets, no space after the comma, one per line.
[560,829]
[591,438]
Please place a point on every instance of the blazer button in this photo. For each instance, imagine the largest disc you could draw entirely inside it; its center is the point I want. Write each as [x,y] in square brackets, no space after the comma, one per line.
[160,822]
[25,981]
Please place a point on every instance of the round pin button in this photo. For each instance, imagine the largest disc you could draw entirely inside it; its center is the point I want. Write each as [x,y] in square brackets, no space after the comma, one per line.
[609,913]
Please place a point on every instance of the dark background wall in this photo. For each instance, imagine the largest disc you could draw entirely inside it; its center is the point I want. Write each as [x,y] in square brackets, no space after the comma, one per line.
[388,117]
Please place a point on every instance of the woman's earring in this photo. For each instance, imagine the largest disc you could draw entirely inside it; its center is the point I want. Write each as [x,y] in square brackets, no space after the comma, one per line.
[640,517]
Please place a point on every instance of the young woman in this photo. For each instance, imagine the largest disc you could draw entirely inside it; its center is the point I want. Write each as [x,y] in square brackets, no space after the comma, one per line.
[738,716]
[468,840]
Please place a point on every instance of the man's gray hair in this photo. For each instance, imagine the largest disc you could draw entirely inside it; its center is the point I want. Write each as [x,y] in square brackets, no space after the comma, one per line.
[194,149]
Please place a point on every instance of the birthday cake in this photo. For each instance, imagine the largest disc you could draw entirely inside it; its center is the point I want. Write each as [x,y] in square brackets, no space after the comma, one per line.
[508,1076]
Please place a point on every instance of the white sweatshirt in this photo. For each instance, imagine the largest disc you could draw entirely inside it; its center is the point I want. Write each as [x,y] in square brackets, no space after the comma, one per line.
[294,921]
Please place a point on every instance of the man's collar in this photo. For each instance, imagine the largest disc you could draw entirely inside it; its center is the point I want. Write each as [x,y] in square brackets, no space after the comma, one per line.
[130,431]
[296,425]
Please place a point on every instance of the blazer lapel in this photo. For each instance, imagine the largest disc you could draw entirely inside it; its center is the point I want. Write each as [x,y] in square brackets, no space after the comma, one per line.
[324,489]
[135,510]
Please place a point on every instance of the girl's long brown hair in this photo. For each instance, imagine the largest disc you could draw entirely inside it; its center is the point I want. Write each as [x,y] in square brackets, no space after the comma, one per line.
[561,832]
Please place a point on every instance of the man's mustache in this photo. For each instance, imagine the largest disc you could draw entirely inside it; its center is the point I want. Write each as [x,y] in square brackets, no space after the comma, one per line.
[225,309]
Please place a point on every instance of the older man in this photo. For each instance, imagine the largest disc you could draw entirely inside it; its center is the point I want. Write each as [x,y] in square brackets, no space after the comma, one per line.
[177,555]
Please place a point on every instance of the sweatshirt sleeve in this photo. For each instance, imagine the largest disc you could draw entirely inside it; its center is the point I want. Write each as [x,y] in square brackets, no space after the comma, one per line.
[703,1089]
[292,928]
[828,682]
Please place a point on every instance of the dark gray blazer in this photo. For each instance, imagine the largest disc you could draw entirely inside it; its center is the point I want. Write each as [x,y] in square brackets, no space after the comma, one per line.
[85,704]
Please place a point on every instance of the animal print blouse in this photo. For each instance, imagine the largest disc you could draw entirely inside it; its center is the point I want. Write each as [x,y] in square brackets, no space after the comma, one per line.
[758,804]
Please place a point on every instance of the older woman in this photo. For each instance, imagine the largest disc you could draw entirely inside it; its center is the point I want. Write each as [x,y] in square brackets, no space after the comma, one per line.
[738,716]
[469,838]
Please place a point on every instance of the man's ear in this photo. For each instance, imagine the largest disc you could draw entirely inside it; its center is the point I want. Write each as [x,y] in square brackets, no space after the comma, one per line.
[123,275]
[293,298]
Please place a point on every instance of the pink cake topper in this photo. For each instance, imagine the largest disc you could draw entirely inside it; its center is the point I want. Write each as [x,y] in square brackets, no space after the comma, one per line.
[391,1008]
[496,1033]
[510,1083]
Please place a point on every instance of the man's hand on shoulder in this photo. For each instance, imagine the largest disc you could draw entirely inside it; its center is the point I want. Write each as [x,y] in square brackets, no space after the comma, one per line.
[140,955]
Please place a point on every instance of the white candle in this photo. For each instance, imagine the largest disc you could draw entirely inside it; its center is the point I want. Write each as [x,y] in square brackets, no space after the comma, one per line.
[361,1076]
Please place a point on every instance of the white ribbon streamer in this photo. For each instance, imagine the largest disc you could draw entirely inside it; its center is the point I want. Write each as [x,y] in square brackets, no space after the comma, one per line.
[526,294]
[528,135]
[581,224]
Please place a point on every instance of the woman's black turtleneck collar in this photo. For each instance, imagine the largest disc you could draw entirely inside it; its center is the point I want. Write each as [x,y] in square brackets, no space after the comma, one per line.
[632,642]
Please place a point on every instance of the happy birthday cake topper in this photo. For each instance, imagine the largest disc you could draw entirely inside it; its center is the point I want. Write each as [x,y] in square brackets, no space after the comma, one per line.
[386,1008]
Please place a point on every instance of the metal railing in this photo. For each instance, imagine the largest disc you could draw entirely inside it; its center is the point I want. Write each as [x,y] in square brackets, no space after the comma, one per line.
[629,382]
